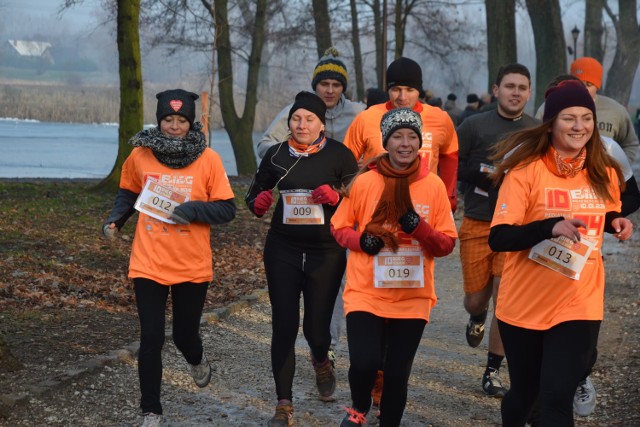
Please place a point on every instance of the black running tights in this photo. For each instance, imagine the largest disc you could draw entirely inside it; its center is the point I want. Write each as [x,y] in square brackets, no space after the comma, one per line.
[317,276]
[367,334]
[546,365]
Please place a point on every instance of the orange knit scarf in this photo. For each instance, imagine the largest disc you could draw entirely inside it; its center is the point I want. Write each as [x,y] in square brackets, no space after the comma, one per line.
[395,200]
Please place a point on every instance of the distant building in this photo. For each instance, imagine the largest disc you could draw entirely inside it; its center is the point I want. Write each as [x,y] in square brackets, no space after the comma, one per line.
[33,49]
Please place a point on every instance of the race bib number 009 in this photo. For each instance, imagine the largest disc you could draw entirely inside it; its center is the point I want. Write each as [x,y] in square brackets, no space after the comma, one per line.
[159,201]
[563,255]
[298,208]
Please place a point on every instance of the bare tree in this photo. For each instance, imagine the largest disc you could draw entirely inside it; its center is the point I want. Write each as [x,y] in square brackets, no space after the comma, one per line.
[593,29]
[131,94]
[357,52]
[548,34]
[402,9]
[322,25]
[501,35]
[239,128]
[627,57]
[376,8]
[131,112]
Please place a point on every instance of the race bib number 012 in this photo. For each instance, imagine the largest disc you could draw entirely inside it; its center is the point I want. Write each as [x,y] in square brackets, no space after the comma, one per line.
[563,255]
[159,201]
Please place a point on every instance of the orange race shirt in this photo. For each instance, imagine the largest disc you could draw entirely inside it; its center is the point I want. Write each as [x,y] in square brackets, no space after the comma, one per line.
[533,296]
[173,253]
[364,137]
[430,201]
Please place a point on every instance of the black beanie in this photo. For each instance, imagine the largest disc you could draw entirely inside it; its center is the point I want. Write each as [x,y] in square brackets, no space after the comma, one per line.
[566,94]
[330,67]
[311,102]
[176,101]
[400,118]
[404,72]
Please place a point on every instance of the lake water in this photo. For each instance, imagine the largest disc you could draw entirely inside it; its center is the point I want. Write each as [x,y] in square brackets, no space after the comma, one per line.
[32,149]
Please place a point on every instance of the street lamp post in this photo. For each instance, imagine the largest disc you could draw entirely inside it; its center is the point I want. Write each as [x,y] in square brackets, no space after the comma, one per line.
[575,33]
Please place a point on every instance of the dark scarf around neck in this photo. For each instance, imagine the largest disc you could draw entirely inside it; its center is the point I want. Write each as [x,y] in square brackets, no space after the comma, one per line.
[172,152]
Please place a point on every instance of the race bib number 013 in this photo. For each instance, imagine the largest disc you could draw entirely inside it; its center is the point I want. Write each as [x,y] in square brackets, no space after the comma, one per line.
[402,269]
[299,209]
[159,201]
[563,255]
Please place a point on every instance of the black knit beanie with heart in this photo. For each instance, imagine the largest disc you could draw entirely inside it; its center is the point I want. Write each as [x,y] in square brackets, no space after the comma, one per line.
[176,101]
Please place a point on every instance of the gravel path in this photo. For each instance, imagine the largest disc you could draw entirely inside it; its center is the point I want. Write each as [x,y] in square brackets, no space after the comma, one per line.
[444,387]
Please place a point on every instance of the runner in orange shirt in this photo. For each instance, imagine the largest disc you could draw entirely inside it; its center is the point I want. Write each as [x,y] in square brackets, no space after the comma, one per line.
[560,193]
[171,250]
[395,220]
[439,139]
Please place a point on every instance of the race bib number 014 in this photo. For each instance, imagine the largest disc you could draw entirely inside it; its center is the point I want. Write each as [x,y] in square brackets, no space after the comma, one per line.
[159,201]
[563,255]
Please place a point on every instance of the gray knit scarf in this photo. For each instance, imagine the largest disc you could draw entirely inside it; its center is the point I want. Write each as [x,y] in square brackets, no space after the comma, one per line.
[172,152]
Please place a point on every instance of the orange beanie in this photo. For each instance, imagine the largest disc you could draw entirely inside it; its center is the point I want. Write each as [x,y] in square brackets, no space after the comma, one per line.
[588,70]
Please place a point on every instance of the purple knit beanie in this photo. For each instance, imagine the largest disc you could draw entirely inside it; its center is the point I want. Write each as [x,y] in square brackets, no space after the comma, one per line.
[568,93]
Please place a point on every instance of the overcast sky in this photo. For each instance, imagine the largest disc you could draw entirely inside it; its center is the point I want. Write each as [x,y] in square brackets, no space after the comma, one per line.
[77,16]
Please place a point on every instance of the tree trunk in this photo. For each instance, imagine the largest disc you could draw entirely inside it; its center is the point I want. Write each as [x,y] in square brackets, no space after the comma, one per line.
[501,36]
[357,52]
[322,23]
[402,10]
[399,29]
[551,57]
[625,62]
[593,30]
[239,128]
[130,69]
[377,27]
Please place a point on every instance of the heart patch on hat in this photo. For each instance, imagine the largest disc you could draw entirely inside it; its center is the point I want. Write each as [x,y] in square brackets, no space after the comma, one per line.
[176,104]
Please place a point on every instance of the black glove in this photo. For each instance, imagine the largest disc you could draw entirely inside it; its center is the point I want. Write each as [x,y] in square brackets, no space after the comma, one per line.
[184,214]
[409,221]
[371,244]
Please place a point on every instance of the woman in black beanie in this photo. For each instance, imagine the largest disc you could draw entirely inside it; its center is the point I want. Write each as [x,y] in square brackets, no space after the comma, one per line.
[300,255]
[180,187]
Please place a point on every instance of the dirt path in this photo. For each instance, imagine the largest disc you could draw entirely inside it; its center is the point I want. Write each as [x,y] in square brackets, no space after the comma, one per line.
[444,386]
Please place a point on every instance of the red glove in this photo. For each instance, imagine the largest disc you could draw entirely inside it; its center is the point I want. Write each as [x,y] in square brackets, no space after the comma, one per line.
[263,202]
[325,194]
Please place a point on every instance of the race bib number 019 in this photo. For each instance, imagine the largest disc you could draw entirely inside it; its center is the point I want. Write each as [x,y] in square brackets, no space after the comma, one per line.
[563,255]
[299,209]
[401,269]
[159,201]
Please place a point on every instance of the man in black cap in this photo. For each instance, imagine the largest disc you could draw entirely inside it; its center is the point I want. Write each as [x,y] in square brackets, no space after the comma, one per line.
[440,142]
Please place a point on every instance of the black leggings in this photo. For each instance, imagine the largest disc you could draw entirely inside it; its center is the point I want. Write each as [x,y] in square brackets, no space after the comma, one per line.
[291,271]
[546,365]
[367,334]
[187,302]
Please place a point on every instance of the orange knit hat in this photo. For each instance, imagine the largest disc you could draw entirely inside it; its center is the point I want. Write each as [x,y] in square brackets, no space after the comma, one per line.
[588,70]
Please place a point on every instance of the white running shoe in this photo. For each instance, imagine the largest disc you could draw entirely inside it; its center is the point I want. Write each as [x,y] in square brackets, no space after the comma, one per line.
[584,401]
